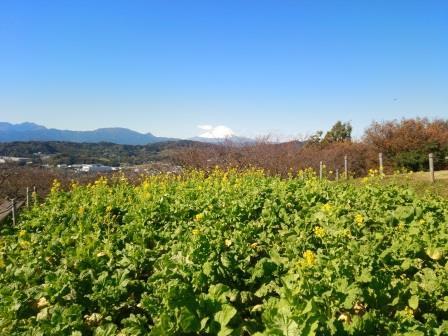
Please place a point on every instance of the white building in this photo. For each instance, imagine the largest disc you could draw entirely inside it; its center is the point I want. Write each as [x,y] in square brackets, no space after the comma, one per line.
[95,168]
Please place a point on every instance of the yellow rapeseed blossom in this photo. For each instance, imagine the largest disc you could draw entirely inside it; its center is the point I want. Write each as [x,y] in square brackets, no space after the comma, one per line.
[227,242]
[22,233]
[74,185]
[101,182]
[24,244]
[199,217]
[253,245]
[359,219]
[195,232]
[409,312]
[327,207]
[319,231]
[146,185]
[56,186]
[309,257]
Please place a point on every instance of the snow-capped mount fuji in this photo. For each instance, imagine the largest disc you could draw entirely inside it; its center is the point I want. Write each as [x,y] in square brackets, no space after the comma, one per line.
[219,134]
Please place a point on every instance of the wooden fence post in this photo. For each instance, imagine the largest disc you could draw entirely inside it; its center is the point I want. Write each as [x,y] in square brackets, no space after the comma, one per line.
[337,175]
[320,170]
[431,167]
[27,197]
[13,211]
[380,157]
[345,167]
[34,195]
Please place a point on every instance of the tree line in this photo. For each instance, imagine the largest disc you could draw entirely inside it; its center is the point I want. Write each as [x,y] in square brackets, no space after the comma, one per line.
[405,144]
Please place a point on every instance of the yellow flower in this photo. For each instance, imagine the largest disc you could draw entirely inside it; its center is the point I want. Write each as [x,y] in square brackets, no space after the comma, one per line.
[408,311]
[22,233]
[319,231]
[253,245]
[359,219]
[327,207]
[196,232]
[345,233]
[228,242]
[199,217]
[309,257]
[56,186]
[81,211]
[24,244]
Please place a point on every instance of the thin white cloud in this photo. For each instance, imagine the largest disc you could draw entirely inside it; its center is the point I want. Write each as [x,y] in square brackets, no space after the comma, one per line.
[216,132]
[205,127]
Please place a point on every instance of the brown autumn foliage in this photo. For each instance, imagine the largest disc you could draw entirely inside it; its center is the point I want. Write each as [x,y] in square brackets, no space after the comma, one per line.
[404,144]
[14,179]
[408,142]
[283,158]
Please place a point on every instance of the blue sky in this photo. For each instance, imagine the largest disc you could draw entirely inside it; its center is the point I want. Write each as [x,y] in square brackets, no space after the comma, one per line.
[282,67]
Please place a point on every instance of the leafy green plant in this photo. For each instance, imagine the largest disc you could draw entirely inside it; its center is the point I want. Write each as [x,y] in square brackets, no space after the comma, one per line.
[227,253]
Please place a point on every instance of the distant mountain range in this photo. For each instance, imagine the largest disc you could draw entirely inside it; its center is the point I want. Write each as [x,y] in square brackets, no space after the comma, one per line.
[28,131]
[32,132]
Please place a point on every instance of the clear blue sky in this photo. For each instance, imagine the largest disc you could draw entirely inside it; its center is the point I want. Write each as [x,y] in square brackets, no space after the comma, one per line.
[287,67]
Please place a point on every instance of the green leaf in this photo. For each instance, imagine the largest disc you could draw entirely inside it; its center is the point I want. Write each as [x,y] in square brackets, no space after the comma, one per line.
[188,321]
[225,331]
[224,316]
[413,302]
[106,330]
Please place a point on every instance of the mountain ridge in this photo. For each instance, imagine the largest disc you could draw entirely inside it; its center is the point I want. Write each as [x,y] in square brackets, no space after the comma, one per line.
[29,131]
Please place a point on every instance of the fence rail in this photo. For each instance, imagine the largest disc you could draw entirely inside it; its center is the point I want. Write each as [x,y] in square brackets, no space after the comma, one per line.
[10,208]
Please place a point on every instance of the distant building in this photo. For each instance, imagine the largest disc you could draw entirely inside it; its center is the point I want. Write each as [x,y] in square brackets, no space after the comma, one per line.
[13,159]
[95,168]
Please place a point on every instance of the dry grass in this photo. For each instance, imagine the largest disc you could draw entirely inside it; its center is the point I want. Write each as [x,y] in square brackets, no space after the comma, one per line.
[420,182]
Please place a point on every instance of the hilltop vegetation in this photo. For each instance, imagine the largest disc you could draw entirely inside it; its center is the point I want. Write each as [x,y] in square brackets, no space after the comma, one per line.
[103,152]
[227,253]
[405,144]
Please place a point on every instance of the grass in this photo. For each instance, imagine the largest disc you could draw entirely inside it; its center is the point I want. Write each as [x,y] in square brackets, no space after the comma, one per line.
[420,182]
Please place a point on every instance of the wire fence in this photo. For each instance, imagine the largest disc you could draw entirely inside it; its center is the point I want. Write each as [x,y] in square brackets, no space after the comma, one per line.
[346,172]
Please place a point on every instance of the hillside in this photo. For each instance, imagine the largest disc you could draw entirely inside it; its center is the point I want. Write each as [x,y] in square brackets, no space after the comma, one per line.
[33,132]
[55,152]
